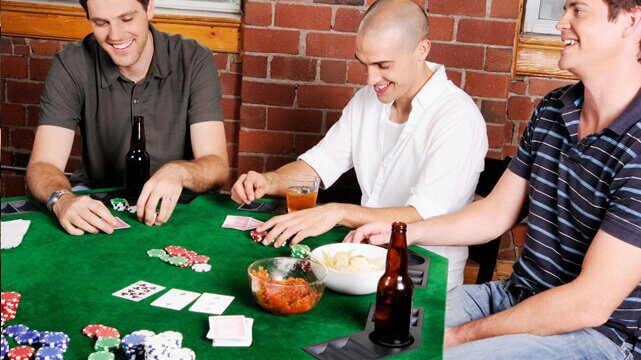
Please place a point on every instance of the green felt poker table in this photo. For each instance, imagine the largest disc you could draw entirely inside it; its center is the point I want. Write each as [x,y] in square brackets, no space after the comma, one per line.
[66,283]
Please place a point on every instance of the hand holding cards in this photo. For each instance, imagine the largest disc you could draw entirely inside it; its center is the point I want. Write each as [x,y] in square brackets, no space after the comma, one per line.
[230,330]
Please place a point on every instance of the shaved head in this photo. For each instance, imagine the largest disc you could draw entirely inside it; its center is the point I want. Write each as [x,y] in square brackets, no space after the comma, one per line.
[404,19]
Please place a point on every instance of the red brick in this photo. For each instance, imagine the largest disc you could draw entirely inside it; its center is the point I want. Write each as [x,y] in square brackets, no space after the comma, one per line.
[14,67]
[267,94]
[510,150]
[303,16]
[72,164]
[231,108]
[38,69]
[507,9]
[275,162]
[519,108]
[441,28]
[24,92]
[33,113]
[44,47]
[255,66]
[333,71]
[499,60]
[13,185]
[258,13]
[541,87]
[5,138]
[294,120]
[506,241]
[340,2]
[332,118]
[522,125]
[330,45]
[486,32]
[13,114]
[231,130]
[494,111]
[21,50]
[347,20]
[22,138]
[458,7]
[356,73]
[306,142]
[76,148]
[270,41]
[293,68]
[268,142]
[454,76]
[495,135]
[247,163]
[7,156]
[230,84]
[5,46]
[458,56]
[517,87]
[235,64]
[518,234]
[232,160]
[18,40]
[486,85]
[253,117]
[326,97]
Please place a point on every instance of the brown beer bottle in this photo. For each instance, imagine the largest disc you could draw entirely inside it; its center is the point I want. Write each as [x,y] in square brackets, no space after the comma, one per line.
[137,160]
[394,294]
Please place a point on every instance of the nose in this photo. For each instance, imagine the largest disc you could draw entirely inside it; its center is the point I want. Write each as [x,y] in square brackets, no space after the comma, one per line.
[373,75]
[114,32]
[563,22]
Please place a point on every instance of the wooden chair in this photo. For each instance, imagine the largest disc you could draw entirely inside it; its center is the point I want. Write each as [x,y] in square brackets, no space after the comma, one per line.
[485,254]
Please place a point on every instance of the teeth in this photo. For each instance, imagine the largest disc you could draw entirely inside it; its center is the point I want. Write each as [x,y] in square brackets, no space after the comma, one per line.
[381,87]
[122,46]
[569,42]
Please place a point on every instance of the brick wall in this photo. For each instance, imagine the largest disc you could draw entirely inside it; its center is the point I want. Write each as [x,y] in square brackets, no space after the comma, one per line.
[298,71]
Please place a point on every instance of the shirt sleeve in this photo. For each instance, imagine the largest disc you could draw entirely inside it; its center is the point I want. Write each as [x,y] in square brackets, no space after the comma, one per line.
[452,166]
[62,98]
[521,163]
[205,95]
[332,156]
[623,216]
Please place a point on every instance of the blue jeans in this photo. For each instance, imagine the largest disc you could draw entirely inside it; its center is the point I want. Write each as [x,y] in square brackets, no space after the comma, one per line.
[470,302]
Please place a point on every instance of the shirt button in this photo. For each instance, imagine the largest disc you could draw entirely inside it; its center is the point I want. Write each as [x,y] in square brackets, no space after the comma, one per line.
[136,101]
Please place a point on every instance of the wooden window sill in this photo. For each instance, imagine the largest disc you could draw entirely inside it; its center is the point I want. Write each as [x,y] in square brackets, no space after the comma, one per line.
[538,55]
[69,23]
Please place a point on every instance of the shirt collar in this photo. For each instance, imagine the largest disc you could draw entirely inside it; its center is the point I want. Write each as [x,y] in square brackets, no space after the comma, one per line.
[433,88]
[573,99]
[160,63]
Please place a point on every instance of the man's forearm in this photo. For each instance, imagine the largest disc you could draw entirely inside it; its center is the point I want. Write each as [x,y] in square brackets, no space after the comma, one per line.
[204,173]
[354,216]
[43,179]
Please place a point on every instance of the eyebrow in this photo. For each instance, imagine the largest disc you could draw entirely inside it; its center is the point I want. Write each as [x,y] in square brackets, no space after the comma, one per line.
[374,63]
[575,3]
[130,13]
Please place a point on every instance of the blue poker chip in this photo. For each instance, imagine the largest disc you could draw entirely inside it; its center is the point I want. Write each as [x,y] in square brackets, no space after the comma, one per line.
[56,339]
[49,353]
[13,330]
[5,347]
[28,337]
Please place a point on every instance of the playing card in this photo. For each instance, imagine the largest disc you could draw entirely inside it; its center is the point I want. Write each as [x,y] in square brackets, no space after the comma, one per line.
[138,291]
[253,223]
[244,341]
[227,327]
[236,222]
[121,224]
[175,299]
[211,303]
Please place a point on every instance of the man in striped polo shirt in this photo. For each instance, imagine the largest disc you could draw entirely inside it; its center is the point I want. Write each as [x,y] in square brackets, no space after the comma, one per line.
[575,292]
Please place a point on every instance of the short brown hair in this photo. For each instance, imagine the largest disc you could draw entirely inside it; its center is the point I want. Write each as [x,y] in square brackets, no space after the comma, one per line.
[615,7]
[83,3]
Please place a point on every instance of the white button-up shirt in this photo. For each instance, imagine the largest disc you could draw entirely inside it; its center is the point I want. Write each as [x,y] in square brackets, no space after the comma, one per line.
[434,165]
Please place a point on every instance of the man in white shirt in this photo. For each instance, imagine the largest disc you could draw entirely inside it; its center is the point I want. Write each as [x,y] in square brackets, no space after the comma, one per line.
[416,141]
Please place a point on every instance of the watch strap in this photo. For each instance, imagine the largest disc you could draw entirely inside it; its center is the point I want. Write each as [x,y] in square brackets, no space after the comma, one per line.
[55,196]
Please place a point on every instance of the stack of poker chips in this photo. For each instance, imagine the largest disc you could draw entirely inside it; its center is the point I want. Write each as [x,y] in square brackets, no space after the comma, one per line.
[10,300]
[300,251]
[107,341]
[134,344]
[120,204]
[54,344]
[167,346]
[181,257]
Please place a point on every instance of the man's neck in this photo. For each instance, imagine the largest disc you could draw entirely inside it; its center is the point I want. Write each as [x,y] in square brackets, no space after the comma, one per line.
[401,108]
[606,97]
[139,70]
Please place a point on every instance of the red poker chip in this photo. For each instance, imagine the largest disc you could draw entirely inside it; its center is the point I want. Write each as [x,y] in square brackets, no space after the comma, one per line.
[258,236]
[90,330]
[189,254]
[200,259]
[174,250]
[107,331]
[21,353]
[10,296]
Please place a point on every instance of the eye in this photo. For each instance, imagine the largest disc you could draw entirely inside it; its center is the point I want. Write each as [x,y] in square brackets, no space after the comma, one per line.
[127,19]
[99,23]
[383,66]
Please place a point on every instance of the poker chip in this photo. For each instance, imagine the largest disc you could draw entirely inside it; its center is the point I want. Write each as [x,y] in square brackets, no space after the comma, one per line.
[90,330]
[189,254]
[131,209]
[185,354]
[15,330]
[49,353]
[107,331]
[300,251]
[107,343]
[56,339]
[200,259]
[4,348]
[165,257]
[174,250]
[23,352]
[156,252]
[119,204]
[134,344]
[178,260]
[28,337]
[257,236]
[101,355]
[201,267]
[9,305]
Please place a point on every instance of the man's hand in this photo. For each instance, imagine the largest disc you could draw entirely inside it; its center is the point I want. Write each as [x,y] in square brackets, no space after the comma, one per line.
[375,233]
[301,224]
[165,187]
[80,214]
[249,187]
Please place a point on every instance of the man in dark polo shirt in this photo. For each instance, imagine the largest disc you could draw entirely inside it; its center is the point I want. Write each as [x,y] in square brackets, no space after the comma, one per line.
[126,68]
[575,292]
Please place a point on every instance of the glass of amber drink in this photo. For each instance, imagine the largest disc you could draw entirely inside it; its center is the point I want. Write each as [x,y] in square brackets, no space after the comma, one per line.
[302,191]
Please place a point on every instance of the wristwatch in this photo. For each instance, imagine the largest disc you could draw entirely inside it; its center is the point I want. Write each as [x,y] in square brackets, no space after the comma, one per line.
[54,197]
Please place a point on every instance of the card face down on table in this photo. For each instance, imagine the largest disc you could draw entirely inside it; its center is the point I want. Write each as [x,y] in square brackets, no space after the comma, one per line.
[264,207]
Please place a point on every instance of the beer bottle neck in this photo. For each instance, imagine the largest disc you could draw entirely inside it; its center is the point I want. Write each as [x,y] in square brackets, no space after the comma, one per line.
[397,256]
[138,134]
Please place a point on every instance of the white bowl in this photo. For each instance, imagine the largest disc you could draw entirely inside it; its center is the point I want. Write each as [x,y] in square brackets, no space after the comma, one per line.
[352,282]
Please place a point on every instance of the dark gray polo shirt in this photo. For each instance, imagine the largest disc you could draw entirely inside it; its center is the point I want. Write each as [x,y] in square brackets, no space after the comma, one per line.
[85,89]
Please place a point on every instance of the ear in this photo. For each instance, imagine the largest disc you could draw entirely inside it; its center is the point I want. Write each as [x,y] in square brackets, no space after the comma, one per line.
[150,10]
[633,22]
[423,49]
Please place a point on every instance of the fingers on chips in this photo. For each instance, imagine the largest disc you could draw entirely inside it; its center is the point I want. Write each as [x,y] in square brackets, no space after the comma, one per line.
[347,261]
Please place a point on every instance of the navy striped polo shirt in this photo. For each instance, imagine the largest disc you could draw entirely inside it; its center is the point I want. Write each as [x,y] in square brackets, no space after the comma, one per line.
[575,189]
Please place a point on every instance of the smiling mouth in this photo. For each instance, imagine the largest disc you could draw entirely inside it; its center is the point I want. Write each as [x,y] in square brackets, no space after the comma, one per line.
[570,42]
[122,46]
[381,88]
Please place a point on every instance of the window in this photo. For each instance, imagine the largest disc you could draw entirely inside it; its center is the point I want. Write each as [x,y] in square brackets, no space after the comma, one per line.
[541,16]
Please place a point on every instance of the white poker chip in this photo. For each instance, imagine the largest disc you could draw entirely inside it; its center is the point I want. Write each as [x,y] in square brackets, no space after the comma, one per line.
[201,267]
